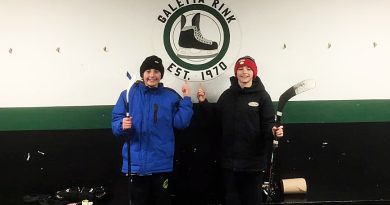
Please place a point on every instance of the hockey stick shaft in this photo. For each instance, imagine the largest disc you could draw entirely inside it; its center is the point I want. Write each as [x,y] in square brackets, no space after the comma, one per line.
[129,85]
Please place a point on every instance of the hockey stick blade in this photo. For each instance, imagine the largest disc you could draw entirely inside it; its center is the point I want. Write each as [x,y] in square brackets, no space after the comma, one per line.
[298,88]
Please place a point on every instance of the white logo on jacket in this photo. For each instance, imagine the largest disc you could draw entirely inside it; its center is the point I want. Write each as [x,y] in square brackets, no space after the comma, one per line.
[253,104]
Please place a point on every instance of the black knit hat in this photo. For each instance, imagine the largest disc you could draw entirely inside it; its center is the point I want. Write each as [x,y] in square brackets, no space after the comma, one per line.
[152,62]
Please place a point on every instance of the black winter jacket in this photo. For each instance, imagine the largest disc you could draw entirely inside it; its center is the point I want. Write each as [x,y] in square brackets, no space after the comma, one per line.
[247,117]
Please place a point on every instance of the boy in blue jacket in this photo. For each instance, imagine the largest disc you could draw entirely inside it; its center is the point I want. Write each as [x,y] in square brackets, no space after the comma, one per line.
[155,111]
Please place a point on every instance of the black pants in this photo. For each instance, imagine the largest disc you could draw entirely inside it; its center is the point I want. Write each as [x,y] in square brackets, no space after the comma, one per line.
[150,189]
[242,188]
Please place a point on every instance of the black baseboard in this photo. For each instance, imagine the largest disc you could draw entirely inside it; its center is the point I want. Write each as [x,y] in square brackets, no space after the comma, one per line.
[341,162]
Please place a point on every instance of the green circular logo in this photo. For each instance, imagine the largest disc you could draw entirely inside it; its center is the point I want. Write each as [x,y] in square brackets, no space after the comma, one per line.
[199,41]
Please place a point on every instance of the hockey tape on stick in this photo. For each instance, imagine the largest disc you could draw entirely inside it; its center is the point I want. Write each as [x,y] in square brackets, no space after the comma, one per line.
[131,82]
[296,89]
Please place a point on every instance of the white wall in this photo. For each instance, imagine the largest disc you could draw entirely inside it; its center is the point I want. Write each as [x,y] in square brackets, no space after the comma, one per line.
[82,73]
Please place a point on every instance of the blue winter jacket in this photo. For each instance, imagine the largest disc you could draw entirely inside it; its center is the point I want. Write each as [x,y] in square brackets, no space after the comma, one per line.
[155,113]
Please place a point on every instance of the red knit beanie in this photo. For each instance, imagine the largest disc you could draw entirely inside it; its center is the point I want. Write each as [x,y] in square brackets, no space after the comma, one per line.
[246,61]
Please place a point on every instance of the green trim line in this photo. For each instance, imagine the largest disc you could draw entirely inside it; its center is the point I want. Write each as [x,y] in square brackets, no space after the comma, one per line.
[55,118]
[336,111]
[99,117]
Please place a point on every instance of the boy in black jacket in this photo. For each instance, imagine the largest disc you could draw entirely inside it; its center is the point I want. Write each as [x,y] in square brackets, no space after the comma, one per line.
[246,117]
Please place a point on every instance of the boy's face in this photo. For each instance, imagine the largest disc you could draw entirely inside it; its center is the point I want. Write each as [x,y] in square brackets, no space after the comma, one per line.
[152,77]
[244,74]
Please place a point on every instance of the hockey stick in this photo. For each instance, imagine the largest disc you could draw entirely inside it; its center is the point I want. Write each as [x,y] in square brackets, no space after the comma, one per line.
[129,85]
[283,99]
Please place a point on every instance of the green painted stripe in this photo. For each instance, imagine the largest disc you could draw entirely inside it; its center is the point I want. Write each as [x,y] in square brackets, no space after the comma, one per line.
[55,118]
[337,111]
[98,117]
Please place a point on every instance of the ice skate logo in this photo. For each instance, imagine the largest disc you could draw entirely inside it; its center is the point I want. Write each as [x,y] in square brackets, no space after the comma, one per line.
[200,39]
[192,43]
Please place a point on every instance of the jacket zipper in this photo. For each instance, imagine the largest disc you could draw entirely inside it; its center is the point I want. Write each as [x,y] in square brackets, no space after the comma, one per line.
[155,113]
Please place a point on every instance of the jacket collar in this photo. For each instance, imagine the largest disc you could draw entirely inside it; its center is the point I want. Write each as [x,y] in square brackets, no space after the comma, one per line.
[257,85]
[149,89]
